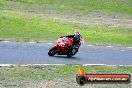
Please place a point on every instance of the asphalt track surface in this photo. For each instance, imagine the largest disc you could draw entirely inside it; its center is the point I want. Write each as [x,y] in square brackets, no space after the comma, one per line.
[36,53]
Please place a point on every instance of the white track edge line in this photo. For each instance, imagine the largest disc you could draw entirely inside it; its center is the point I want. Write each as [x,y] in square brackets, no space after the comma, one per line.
[109,46]
[25,65]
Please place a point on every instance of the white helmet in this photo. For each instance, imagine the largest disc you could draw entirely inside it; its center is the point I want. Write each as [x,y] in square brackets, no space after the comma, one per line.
[76,34]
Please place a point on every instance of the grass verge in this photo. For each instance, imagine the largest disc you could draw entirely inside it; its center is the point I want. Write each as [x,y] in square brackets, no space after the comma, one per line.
[21,26]
[25,20]
[83,6]
[17,76]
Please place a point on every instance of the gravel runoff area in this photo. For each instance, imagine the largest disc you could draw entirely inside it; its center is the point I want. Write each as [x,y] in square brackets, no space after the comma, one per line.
[67,83]
[71,83]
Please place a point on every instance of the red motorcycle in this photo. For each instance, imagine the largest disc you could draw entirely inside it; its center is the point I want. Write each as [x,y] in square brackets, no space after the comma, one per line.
[64,46]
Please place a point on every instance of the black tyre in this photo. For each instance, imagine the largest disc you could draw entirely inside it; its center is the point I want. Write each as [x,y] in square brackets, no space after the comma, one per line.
[74,51]
[52,51]
[69,55]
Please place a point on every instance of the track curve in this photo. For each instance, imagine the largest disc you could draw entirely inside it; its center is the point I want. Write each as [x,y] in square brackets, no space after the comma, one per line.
[36,53]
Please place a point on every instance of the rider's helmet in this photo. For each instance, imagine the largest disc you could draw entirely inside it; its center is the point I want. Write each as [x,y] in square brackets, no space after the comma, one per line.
[76,34]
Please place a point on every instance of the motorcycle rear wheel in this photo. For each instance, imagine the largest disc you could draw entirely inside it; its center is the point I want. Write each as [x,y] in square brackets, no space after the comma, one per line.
[52,51]
[69,54]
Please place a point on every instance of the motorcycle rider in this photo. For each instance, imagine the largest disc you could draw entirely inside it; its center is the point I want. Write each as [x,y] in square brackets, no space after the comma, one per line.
[76,38]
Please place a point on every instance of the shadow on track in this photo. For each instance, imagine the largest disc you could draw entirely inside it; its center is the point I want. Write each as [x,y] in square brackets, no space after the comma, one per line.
[64,57]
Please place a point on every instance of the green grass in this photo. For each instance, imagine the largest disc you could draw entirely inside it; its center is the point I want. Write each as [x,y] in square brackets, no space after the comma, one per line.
[21,26]
[79,8]
[43,73]
[117,6]
[39,73]
[28,20]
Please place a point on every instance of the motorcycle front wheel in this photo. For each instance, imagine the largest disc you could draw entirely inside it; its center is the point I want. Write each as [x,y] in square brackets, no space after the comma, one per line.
[52,51]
